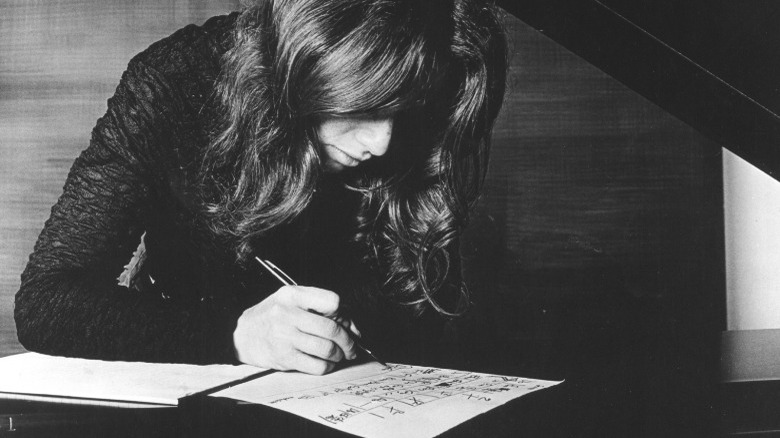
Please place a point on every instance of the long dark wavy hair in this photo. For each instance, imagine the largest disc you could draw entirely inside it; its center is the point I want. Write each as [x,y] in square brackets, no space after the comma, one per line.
[437,67]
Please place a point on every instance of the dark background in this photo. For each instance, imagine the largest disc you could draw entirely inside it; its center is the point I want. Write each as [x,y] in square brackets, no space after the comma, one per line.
[595,255]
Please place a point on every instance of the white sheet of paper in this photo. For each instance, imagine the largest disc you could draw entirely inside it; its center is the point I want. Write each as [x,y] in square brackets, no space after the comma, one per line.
[374,401]
[38,376]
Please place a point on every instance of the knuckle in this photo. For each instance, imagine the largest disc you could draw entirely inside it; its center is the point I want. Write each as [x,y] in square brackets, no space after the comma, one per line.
[332,350]
[333,301]
[332,328]
[329,300]
[289,293]
[350,345]
[322,349]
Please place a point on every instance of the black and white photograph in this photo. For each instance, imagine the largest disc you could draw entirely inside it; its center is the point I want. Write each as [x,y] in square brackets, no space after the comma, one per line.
[389,218]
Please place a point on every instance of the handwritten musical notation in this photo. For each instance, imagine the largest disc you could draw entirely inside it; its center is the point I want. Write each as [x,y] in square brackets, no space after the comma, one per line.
[374,401]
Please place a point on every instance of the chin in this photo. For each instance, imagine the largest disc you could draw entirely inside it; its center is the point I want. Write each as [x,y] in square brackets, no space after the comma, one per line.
[332,167]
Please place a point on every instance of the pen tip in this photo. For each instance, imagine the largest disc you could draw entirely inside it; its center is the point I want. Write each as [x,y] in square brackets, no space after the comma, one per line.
[378,360]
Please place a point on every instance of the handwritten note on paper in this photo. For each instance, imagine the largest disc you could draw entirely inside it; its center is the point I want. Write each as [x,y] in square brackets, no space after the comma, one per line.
[374,401]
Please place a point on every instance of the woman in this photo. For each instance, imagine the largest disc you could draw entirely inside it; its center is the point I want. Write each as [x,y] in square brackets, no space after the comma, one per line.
[343,140]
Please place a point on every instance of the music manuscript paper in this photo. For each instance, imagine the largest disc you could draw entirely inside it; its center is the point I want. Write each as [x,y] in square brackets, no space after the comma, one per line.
[375,401]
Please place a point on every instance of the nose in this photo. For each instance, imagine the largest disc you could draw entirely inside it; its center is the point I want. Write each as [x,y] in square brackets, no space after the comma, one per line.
[374,136]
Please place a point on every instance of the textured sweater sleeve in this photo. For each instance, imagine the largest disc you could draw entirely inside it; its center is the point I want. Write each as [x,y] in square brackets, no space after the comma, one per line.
[69,302]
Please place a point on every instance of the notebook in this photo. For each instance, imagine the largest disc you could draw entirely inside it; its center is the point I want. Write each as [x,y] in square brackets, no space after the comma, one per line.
[33,376]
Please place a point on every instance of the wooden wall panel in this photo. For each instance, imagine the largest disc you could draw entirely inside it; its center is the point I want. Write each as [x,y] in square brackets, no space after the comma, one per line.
[597,249]
[59,62]
[588,173]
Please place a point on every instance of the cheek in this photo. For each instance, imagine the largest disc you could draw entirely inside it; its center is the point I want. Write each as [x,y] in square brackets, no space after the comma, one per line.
[327,153]
[330,130]
[330,162]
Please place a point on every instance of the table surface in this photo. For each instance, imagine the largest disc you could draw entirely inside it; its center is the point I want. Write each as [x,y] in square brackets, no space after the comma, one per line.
[626,375]
[209,416]
[606,398]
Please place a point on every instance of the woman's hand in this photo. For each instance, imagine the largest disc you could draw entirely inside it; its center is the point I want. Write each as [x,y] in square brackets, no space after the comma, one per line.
[296,328]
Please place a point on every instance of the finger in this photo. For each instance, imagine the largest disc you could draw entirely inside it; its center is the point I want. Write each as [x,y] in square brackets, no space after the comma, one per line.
[342,321]
[314,299]
[311,365]
[353,328]
[348,324]
[318,347]
[327,329]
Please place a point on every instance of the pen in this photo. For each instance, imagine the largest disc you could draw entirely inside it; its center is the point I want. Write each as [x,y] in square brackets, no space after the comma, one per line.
[288,281]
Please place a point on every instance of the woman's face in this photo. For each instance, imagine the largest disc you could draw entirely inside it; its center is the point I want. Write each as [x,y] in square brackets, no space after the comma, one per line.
[348,141]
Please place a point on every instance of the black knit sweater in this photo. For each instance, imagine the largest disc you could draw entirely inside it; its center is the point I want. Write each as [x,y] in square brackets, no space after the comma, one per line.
[138,176]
